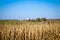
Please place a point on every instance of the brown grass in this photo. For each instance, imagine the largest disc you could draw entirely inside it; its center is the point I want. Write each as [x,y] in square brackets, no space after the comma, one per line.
[31,31]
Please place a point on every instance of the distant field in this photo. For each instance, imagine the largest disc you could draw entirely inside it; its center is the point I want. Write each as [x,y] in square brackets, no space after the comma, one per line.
[28,30]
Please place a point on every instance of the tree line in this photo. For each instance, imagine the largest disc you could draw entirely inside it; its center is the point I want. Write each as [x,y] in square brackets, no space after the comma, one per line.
[37,19]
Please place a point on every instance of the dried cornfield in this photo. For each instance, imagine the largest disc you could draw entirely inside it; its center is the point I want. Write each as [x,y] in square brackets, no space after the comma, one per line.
[31,31]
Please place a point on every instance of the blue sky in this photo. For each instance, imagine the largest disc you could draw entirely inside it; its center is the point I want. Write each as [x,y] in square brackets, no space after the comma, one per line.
[22,9]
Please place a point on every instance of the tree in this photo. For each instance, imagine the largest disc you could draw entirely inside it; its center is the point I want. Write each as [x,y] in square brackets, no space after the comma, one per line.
[33,20]
[38,19]
[43,19]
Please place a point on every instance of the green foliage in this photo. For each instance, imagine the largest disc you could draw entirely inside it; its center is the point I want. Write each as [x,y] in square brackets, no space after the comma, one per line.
[38,19]
[43,19]
[10,21]
[33,20]
[21,21]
